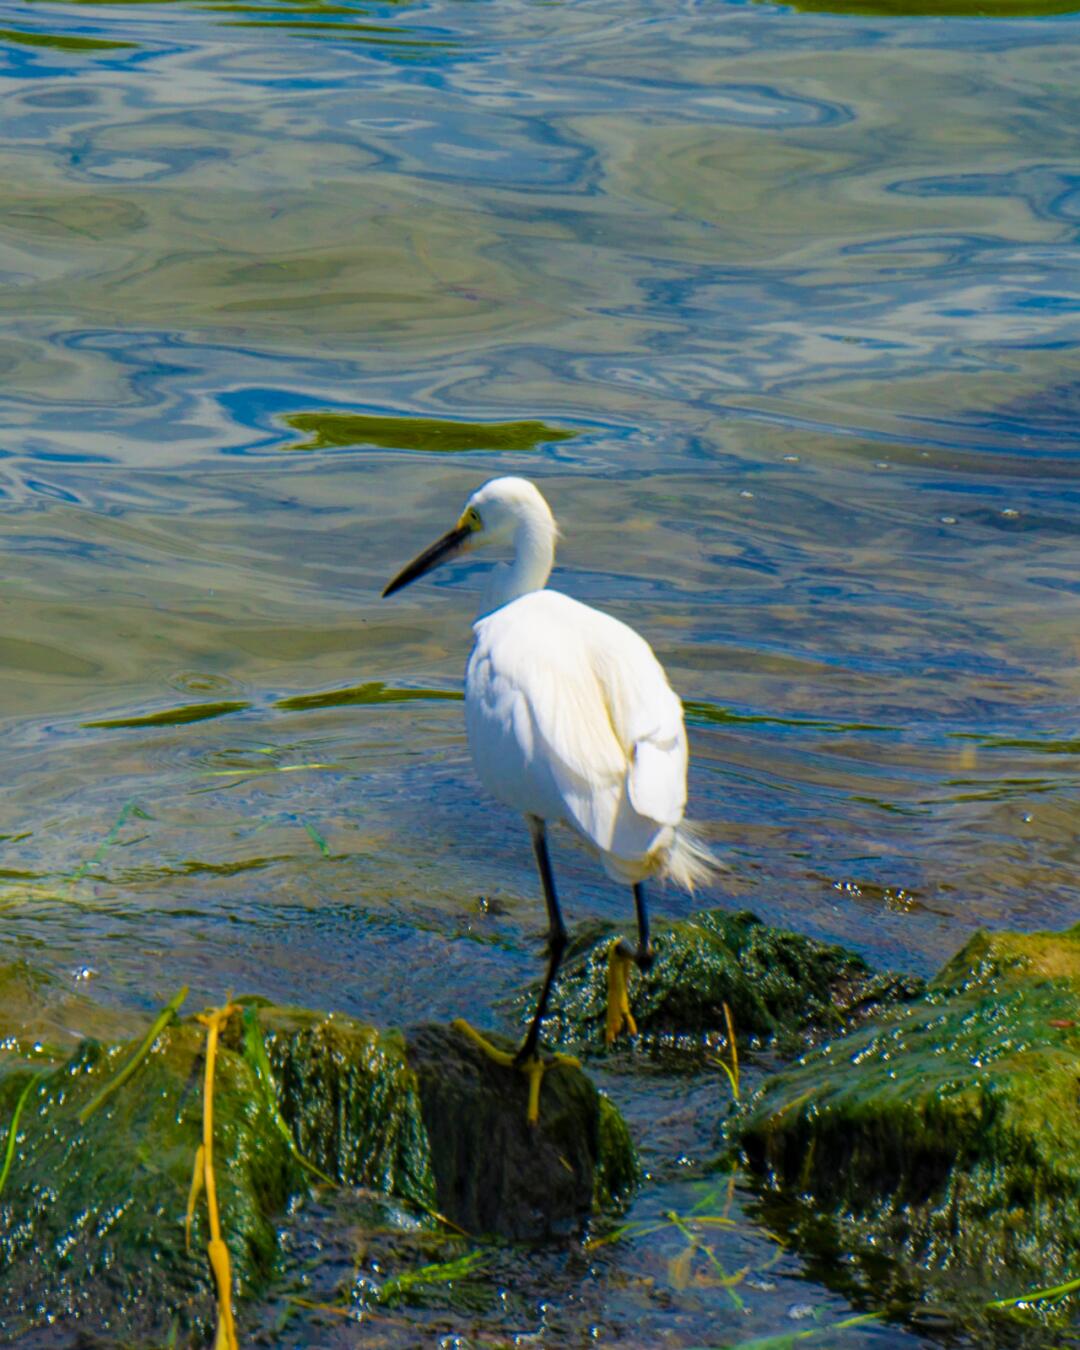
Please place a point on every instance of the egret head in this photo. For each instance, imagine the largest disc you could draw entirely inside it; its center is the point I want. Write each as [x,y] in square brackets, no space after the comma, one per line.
[507,511]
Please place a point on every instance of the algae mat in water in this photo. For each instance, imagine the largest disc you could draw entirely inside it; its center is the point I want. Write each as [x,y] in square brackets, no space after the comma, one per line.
[946,1135]
[337,429]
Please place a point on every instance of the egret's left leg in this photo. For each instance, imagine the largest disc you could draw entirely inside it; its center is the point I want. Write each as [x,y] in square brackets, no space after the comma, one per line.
[556,940]
[620,958]
[528,1059]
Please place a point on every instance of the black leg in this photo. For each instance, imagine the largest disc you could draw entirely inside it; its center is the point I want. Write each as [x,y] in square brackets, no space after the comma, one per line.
[644,954]
[556,936]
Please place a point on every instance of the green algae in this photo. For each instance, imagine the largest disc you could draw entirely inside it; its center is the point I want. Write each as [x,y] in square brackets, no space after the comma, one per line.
[62,42]
[91,1227]
[329,430]
[776,983]
[351,1100]
[172,717]
[969,9]
[373,691]
[945,1136]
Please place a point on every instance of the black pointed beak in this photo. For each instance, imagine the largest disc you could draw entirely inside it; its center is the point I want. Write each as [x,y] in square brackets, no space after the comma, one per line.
[440,551]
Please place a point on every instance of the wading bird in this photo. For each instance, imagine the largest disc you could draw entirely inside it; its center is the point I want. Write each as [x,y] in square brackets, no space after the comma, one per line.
[570,718]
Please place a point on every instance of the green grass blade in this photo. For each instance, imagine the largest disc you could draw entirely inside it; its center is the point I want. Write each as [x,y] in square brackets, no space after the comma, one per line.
[13,1128]
[787,1339]
[164,1017]
[317,839]
[128,810]
[1038,1295]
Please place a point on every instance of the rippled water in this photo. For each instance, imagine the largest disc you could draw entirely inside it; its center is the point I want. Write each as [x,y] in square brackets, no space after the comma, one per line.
[801,290]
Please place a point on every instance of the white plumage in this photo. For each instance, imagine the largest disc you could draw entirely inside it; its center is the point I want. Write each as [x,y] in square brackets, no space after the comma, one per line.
[571,719]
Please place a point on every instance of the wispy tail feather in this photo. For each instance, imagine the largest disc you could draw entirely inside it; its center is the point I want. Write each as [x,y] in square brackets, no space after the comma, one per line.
[690,862]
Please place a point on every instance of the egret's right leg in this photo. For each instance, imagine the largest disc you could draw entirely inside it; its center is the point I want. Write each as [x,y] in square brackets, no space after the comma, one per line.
[620,959]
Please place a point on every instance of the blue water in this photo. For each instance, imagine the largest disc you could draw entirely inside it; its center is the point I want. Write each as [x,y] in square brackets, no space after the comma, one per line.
[805,287]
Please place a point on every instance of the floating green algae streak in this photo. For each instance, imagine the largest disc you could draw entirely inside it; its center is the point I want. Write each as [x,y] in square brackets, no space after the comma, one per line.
[64,44]
[701,712]
[328,429]
[970,9]
[1039,747]
[173,717]
[376,34]
[311,18]
[373,692]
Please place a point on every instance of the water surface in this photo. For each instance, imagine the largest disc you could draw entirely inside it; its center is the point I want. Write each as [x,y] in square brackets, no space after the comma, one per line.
[792,299]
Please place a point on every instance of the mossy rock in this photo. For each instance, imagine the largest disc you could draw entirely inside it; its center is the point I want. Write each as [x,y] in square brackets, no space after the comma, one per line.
[427,1116]
[92,1231]
[945,1136]
[349,1097]
[92,1215]
[776,983]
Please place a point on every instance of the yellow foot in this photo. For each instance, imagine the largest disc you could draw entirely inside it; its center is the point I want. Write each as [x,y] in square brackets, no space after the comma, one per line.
[619,1016]
[533,1068]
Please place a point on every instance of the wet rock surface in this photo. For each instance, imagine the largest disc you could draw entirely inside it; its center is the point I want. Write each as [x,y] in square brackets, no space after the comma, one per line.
[941,1143]
[496,1173]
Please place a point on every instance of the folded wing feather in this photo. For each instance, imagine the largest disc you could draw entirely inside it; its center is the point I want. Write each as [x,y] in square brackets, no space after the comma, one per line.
[607,723]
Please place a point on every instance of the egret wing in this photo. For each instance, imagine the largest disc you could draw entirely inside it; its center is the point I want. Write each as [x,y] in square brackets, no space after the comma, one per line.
[604,725]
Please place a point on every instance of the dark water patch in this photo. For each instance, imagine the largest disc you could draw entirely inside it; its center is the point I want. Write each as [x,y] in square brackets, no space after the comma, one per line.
[173,717]
[372,692]
[331,429]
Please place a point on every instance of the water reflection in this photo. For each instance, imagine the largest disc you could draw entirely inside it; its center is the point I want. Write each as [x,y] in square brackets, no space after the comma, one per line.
[802,287]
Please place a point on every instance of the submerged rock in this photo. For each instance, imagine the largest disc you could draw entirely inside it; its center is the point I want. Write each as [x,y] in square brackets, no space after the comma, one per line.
[776,983]
[946,1135]
[92,1211]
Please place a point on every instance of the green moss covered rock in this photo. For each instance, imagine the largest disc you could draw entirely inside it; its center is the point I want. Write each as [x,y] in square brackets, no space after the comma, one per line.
[428,1117]
[92,1207]
[348,1095]
[946,1135]
[92,1214]
[775,982]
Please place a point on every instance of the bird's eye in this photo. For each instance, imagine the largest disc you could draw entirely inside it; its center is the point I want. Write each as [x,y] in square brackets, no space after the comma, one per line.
[472,519]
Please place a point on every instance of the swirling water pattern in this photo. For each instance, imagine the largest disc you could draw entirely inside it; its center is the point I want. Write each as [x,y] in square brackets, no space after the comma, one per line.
[804,286]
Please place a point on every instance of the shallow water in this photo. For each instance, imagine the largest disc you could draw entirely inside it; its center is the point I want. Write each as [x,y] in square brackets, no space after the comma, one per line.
[803,288]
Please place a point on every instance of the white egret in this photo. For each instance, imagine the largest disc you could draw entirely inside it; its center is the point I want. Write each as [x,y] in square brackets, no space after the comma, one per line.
[570,719]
